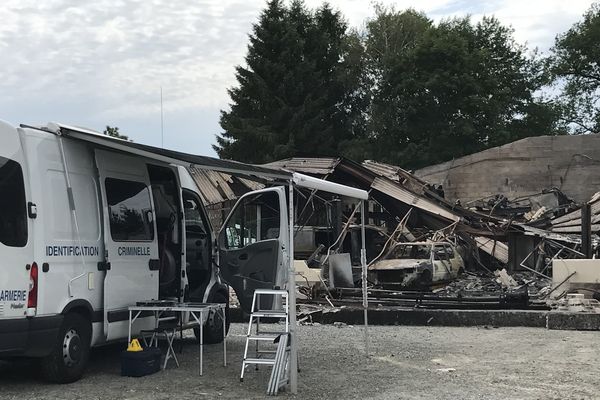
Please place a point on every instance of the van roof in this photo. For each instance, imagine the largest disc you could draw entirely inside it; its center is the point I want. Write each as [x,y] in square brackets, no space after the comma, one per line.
[165,155]
[202,162]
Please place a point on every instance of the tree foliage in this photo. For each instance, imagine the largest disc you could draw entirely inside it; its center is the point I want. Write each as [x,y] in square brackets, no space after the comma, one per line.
[405,90]
[446,90]
[575,63]
[295,95]
[114,132]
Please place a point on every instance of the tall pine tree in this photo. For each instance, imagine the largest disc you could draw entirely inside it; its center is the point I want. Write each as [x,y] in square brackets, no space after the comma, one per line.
[294,95]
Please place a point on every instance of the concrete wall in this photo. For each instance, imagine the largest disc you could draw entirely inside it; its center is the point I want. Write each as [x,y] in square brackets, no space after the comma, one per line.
[524,167]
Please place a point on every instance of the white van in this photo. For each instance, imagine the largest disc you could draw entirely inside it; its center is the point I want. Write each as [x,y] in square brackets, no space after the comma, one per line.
[90,225]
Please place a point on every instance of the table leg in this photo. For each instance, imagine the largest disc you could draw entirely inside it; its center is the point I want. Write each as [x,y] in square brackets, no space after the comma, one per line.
[224,336]
[201,340]
[129,330]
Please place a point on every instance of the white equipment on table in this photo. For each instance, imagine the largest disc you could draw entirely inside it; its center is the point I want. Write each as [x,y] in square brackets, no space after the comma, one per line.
[278,357]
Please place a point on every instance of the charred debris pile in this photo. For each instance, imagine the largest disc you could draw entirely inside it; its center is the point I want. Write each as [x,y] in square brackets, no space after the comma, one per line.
[422,250]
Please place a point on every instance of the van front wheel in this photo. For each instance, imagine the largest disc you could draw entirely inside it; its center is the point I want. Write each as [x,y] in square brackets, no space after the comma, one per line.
[213,329]
[68,359]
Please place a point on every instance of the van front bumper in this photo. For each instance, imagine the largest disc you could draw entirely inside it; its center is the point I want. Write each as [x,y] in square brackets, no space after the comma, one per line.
[29,337]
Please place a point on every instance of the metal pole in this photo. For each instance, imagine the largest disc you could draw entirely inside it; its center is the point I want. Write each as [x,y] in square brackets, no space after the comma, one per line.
[162,134]
[292,296]
[586,230]
[363,261]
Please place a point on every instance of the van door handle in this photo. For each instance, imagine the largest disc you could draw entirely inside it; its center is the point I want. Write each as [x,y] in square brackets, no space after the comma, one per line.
[243,256]
[154,264]
[103,266]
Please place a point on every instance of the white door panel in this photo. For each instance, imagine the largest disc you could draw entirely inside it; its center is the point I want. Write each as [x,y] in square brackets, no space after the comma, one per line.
[130,240]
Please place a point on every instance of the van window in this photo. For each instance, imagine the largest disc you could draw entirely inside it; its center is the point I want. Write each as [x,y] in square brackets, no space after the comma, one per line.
[130,210]
[255,219]
[13,213]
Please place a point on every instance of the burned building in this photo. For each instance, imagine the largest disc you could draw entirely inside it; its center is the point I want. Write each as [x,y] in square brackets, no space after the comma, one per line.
[570,163]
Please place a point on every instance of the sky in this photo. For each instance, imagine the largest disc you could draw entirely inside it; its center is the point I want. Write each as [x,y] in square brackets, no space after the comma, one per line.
[104,62]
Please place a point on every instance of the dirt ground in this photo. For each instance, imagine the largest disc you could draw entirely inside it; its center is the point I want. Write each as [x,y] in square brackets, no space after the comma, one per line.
[405,363]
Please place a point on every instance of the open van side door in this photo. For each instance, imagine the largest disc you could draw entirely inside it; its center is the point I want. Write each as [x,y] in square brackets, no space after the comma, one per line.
[130,238]
[253,244]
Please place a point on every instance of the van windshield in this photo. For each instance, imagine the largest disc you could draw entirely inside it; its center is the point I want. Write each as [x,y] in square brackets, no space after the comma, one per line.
[13,215]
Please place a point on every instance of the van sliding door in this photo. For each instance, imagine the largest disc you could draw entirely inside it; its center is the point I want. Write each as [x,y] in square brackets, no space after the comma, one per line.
[130,240]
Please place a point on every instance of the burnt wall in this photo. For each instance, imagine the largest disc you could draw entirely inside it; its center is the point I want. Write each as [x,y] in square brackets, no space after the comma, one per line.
[521,168]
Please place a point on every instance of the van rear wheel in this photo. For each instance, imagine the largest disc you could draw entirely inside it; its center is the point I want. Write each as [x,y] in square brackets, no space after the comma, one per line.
[68,359]
[213,329]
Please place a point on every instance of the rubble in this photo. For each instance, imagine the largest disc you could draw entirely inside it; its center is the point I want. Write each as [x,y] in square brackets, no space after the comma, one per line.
[537,208]
[576,302]
[505,279]
[508,245]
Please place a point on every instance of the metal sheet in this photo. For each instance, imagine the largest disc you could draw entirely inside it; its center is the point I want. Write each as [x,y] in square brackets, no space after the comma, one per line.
[387,170]
[313,166]
[576,215]
[531,231]
[398,192]
[210,195]
[494,248]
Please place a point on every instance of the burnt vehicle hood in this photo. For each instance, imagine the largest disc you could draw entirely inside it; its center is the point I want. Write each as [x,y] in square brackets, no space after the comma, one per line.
[399,264]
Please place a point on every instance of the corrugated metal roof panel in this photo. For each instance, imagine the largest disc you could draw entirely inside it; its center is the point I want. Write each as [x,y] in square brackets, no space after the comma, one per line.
[208,191]
[494,248]
[222,182]
[314,166]
[387,170]
[574,229]
[576,215]
[396,191]
[216,187]
[561,237]
[252,185]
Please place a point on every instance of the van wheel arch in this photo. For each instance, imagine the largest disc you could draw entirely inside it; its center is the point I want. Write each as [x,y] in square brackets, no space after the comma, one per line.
[81,307]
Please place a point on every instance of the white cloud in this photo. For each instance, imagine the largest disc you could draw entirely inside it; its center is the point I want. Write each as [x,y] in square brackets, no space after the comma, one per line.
[103,62]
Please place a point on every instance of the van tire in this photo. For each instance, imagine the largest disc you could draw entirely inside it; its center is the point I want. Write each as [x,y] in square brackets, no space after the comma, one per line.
[213,329]
[68,359]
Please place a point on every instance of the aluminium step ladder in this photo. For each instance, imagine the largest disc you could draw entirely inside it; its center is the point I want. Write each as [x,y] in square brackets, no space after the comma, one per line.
[278,358]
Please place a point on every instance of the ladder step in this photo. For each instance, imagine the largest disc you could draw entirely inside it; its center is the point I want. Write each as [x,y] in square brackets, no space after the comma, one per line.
[278,359]
[271,291]
[275,333]
[262,336]
[265,361]
[269,313]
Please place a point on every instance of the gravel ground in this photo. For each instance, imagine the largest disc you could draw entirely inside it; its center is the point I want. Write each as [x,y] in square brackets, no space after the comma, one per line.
[405,363]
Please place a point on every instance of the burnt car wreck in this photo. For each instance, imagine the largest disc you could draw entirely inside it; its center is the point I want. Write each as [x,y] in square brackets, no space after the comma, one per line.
[416,265]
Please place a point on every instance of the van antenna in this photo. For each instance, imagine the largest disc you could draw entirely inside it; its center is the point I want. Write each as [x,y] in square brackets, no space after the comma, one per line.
[162,133]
